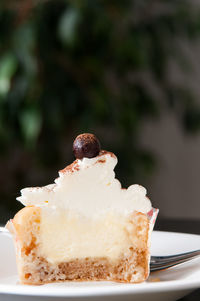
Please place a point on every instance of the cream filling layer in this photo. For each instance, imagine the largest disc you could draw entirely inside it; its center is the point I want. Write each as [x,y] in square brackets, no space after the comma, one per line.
[65,236]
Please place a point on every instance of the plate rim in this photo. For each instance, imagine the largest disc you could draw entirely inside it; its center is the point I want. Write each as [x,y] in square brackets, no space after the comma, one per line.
[127,289]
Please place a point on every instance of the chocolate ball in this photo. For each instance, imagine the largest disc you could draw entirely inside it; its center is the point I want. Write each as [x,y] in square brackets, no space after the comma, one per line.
[86,146]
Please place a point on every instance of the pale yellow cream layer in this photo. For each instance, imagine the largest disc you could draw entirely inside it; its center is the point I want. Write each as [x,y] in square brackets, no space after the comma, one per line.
[66,236]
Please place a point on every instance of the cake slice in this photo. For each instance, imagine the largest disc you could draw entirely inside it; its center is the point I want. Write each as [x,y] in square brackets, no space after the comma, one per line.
[84,226]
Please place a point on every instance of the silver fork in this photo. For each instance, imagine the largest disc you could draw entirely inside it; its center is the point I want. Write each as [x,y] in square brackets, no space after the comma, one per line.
[158,263]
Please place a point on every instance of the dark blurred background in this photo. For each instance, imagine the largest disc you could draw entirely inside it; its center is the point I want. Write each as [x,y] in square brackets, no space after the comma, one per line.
[128,71]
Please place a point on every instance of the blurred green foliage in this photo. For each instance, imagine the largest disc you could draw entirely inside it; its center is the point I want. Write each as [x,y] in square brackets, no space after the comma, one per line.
[68,67]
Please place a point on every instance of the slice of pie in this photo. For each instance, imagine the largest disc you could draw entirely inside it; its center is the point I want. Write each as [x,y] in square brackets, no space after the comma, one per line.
[84,226]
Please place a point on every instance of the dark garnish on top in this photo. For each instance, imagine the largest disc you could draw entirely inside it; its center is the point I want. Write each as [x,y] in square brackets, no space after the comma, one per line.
[86,146]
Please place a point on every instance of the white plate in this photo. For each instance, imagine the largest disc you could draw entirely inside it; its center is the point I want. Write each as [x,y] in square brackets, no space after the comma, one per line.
[167,285]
